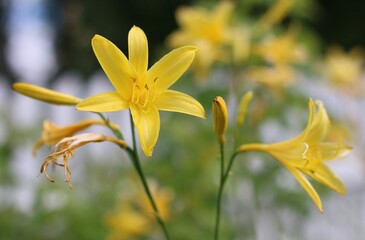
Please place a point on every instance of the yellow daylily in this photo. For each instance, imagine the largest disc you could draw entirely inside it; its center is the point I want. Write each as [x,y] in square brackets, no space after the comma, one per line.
[44,94]
[143,91]
[275,77]
[283,49]
[162,197]
[52,133]
[127,223]
[207,29]
[65,148]
[307,152]
[343,68]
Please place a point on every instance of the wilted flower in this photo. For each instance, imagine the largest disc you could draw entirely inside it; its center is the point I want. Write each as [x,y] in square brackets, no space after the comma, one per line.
[307,152]
[66,147]
[45,95]
[143,91]
[53,133]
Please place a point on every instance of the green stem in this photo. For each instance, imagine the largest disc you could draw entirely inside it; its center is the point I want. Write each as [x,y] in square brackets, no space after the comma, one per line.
[223,178]
[137,165]
[220,191]
[133,155]
[116,132]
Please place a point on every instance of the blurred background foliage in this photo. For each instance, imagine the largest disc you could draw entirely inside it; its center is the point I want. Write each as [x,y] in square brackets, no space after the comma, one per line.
[261,198]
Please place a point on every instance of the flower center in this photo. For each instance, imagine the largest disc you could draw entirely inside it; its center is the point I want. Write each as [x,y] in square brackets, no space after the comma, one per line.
[143,94]
[311,154]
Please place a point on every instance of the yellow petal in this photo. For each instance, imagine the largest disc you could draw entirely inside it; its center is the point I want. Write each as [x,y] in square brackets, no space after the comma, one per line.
[222,12]
[148,127]
[169,68]
[318,127]
[331,151]
[103,102]
[138,50]
[115,65]
[277,12]
[45,95]
[324,175]
[175,101]
[307,186]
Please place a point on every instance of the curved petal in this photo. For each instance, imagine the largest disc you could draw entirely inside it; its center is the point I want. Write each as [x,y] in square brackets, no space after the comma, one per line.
[138,50]
[331,151]
[103,102]
[179,102]
[307,186]
[319,125]
[115,65]
[148,127]
[169,68]
[323,174]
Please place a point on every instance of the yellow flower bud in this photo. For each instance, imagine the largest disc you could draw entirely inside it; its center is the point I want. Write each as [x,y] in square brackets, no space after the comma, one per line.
[220,116]
[242,108]
[45,95]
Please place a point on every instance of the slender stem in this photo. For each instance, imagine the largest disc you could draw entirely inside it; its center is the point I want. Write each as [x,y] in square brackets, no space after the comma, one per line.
[223,178]
[136,162]
[133,155]
[228,170]
[116,132]
[220,191]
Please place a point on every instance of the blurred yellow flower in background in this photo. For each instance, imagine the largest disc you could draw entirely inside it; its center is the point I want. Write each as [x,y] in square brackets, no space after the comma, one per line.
[307,152]
[343,68]
[163,198]
[282,49]
[134,215]
[127,223]
[277,12]
[209,30]
[141,90]
[242,108]
[274,77]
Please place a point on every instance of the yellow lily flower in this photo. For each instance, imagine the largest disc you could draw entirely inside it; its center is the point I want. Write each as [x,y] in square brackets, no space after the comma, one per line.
[143,91]
[343,68]
[127,223]
[307,152]
[282,49]
[44,94]
[275,77]
[207,29]
[53,133]
[65,148]
[162,197]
